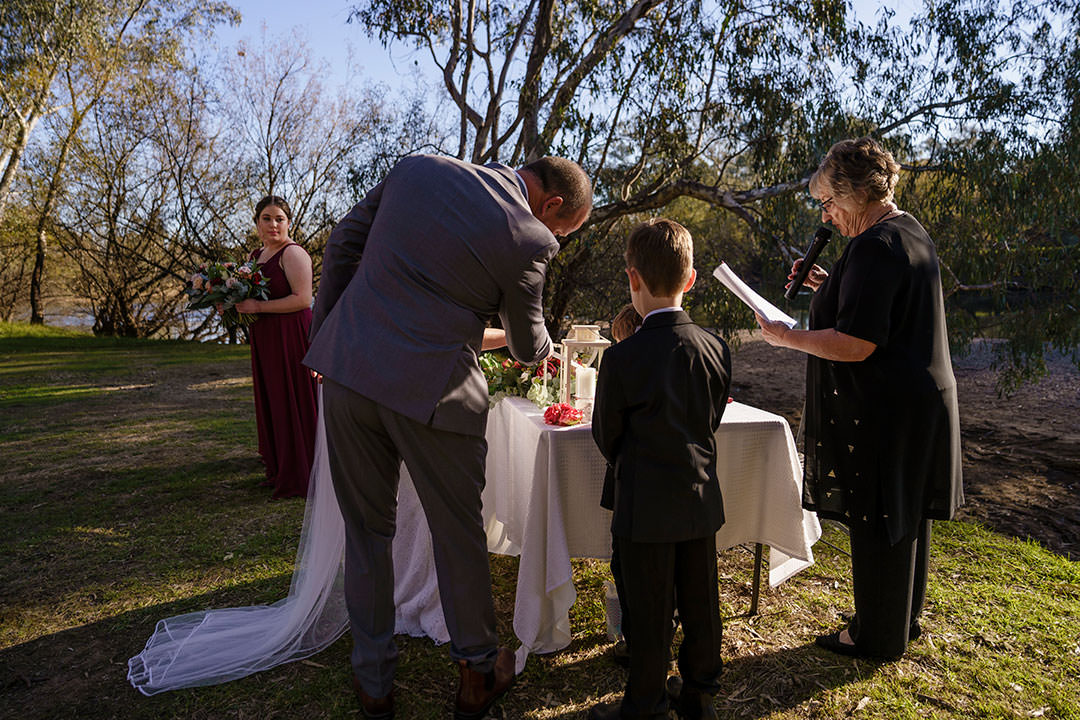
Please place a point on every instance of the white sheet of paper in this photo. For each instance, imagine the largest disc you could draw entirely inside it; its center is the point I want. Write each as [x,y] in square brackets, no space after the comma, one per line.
[745,293]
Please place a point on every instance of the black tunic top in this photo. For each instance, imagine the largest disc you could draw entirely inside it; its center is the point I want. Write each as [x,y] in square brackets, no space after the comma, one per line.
[883,435]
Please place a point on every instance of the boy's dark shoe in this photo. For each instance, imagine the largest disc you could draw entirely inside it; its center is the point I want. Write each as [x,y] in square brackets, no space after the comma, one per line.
[374,708]
[690,705]
[478,691]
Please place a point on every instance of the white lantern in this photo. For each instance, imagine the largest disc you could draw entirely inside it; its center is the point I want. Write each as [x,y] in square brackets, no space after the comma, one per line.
[580,355]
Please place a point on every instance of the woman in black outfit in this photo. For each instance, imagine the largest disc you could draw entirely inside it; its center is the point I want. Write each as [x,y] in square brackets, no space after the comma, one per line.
[882,430]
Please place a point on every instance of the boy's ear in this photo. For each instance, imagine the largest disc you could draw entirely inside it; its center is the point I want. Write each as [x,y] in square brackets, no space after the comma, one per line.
[690,282]
[635,279]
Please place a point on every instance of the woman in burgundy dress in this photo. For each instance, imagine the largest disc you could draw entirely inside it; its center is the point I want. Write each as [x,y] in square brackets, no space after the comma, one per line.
[284,389]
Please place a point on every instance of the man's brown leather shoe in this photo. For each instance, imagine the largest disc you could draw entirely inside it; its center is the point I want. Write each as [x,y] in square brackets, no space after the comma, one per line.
[374,708]
[477,691]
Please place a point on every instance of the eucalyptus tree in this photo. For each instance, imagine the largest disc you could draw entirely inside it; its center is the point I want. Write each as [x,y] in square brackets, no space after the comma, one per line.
[38,39]
[731,104]
[98,41]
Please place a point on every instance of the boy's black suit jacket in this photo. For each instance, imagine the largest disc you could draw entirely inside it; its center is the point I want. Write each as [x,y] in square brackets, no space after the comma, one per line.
[659,399]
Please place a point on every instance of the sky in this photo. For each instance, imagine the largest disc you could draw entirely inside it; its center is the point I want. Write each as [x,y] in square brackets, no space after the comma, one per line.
[322,25]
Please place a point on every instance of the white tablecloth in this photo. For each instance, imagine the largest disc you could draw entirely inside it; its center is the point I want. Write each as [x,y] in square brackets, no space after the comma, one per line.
[542,502]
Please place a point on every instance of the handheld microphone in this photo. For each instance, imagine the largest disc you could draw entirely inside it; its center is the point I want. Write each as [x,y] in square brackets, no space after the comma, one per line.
[821,239]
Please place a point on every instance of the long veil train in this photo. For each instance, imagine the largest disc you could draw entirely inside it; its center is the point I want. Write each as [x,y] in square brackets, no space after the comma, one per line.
[215,646]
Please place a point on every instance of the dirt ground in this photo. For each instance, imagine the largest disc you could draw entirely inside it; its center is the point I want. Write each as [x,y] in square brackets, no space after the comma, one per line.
[1021,454]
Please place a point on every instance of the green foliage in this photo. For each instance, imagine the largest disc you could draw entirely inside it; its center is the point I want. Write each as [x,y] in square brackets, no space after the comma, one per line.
[506,376]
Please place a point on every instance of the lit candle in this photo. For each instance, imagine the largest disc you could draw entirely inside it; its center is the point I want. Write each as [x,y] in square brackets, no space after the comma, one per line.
[586,382]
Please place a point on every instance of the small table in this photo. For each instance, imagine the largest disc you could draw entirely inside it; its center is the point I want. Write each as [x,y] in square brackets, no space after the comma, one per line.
[542,502]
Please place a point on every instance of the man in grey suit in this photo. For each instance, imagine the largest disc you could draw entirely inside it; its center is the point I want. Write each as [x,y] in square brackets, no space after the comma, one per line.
[410,277]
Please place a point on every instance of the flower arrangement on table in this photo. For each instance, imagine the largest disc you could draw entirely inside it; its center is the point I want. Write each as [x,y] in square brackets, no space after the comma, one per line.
[222,285]
[507,377]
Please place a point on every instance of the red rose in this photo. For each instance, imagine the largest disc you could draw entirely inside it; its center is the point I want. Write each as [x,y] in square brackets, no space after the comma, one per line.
[552,366]
[562,414]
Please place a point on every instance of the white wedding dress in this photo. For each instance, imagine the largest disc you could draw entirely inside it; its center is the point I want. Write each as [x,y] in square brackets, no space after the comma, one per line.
[215,646]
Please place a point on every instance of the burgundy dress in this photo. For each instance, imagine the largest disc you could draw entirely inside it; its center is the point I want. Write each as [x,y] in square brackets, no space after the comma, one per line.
[284,389]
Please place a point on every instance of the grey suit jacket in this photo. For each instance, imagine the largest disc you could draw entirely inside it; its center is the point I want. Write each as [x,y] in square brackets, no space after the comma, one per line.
[409,279]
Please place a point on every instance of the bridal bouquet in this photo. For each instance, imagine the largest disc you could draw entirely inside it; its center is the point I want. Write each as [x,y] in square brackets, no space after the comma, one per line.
[508,377]
[222,285]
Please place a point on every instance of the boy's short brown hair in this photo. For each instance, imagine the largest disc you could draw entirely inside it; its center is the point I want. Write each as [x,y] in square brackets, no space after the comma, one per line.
[662,252]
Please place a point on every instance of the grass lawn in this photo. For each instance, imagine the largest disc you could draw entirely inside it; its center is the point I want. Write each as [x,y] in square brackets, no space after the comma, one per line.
[130,486]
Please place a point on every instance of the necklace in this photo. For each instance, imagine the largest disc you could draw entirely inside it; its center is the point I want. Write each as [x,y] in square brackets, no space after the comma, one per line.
[882,216]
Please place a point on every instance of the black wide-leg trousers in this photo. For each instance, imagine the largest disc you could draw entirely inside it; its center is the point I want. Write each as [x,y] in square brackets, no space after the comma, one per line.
[889,584]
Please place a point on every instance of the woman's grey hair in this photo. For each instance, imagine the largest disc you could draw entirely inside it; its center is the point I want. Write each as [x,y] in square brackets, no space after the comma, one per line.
[858,169]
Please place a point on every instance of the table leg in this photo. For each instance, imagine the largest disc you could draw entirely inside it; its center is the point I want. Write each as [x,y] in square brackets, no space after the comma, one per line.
[757,579]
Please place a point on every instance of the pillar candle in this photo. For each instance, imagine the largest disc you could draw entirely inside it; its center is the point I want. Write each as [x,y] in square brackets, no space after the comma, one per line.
[586,382]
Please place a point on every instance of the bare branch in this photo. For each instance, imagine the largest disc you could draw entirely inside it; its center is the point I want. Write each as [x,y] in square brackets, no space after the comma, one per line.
[733,200]
[922,110]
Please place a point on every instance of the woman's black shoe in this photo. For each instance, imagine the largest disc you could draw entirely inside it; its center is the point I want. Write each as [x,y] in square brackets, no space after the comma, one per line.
[914,631]
[832,643]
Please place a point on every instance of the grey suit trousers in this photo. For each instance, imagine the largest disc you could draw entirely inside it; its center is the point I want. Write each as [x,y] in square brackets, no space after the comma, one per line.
[367,443]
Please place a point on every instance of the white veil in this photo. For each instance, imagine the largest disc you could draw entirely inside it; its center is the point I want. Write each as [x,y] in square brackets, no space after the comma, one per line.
[215,646]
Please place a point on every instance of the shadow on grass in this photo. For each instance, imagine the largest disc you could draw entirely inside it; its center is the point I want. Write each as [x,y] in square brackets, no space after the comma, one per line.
[758,685]
[82,672]
[755,686]
[135,527]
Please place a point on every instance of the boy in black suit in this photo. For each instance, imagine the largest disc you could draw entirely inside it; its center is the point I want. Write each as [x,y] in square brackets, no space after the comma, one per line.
[660,395]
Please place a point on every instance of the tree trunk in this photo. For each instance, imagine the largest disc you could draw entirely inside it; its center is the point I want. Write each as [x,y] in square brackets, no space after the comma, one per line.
[36,316]
[13,157]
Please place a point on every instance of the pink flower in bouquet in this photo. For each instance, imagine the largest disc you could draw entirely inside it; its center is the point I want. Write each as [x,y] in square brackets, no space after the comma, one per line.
[562,414]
